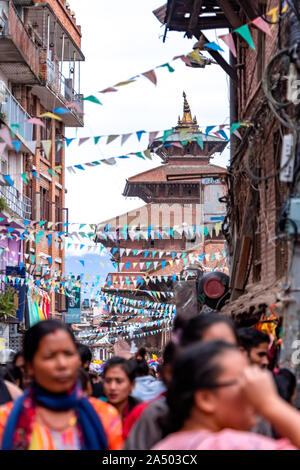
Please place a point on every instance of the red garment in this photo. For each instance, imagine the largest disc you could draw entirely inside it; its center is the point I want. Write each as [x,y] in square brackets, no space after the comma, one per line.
[135,414]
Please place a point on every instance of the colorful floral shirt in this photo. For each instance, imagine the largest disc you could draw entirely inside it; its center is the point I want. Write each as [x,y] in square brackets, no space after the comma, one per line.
[44,438]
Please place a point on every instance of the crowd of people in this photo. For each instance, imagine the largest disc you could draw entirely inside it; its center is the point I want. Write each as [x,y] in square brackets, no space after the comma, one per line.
[214,389]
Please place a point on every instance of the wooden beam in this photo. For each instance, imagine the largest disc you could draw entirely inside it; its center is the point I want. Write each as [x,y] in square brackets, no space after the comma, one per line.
[248,8]
[195,15]
[230,14]
[218,58]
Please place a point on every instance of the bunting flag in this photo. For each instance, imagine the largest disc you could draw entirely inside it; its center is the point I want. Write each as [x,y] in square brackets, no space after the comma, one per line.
[229,41]
[46,144]
[151,76]
[92,99]
[245,33]
[261,24]
[214,46]
[36,122]
[50,115]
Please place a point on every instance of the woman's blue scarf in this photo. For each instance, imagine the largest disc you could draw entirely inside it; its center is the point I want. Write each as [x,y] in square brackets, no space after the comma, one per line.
[94,437]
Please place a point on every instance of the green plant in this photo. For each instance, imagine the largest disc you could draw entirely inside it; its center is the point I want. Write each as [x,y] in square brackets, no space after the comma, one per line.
[3,204]
[7,305]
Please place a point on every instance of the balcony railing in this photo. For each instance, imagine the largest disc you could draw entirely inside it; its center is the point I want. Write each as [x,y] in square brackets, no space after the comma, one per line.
[61,84]
[13,29]
[18,203]
[13,113]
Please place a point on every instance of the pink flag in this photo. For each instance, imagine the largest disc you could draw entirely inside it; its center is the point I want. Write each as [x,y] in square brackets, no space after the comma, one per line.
[36,121]
[262,25]
[228,39]
[74,105]
[108,90]
[151,76]
[184,59]
[152,136]
[177,144]
[5,136]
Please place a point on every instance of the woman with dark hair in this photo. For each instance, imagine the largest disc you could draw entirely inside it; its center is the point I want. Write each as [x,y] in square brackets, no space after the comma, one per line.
[119,375]
[53,413]
[144,426]
[213,400]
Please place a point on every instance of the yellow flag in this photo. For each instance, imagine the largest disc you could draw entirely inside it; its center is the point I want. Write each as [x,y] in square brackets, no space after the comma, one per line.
[50,115]
[124,83]
[196,56]
[274,14]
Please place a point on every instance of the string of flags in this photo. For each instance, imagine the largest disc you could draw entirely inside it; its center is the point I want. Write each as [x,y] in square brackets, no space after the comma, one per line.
[244,31]
[127,301]
[121,328]
[131,336]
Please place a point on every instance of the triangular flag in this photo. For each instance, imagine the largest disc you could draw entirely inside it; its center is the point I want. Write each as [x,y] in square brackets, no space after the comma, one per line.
[166,134]
[274,14]
[199,140]
[5,136]
[147,154]
[235,126]
[8,179]
[17,145]
[151,76]
[261,24]
[96,139]
[124,138]
[152,136]
[214,46]
[229,41]
[209,129]
[47,147]
[35,175]
[51,116]
[108,90]
[111,138]
[31,144]
[184,59]
[36,122]
[92,99]
[61,110]
[126,82]
[68,141]
[109,161]
[82,140]
[140,155]
[170,69]
[24,178]
[245,33]
[139,134]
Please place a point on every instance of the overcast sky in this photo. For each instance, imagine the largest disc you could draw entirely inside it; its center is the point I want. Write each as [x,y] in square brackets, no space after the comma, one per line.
[119,40]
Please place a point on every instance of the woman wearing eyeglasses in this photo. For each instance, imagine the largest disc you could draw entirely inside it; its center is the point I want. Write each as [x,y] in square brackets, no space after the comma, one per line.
[214,399]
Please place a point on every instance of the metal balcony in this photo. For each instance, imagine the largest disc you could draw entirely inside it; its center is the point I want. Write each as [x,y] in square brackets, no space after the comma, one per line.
[16,202]
[13,113]
[19,56]
[57,90]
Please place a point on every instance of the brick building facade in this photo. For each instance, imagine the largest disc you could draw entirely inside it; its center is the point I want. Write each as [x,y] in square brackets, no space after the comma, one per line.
[40,55]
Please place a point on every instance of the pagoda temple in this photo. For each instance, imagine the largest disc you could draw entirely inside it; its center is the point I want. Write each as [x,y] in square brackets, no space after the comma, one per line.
[180,222]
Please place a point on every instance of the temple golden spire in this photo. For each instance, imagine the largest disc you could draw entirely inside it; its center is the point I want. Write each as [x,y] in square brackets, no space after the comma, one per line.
[187,120]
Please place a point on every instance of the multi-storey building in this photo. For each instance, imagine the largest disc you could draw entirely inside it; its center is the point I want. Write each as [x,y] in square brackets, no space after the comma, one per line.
[151,245]
[40,55]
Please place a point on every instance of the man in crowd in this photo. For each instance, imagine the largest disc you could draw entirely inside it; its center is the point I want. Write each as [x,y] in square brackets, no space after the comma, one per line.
[255,344]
